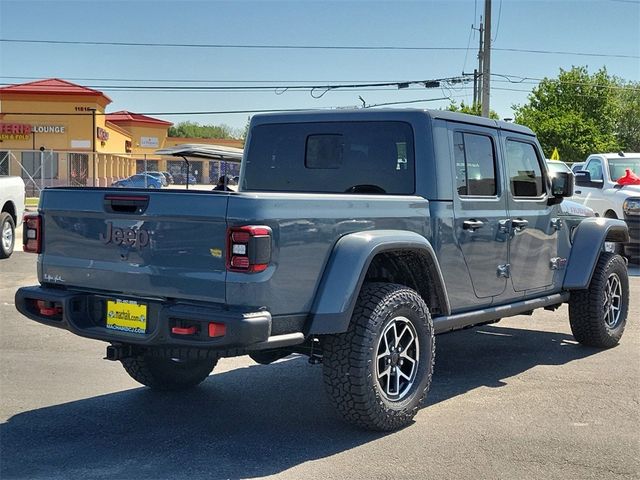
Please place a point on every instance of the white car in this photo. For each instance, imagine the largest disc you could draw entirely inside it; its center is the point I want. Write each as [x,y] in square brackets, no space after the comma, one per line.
[12,195]
[597,187]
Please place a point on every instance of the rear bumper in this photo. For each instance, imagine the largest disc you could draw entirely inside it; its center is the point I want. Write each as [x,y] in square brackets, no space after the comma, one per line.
[85,314]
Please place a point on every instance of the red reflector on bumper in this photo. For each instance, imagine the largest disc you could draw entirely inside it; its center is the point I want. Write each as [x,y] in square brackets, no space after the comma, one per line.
[48,309]
[217,329]
[184,331]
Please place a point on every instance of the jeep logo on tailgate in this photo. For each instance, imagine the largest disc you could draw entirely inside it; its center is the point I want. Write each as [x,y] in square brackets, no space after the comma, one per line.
[125,236]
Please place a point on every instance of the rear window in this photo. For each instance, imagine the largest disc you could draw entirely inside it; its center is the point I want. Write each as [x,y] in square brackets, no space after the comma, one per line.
[345,157]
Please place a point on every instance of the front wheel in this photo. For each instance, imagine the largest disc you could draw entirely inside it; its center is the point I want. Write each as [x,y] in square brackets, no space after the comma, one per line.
[598,314]
[379,371]
[168,373]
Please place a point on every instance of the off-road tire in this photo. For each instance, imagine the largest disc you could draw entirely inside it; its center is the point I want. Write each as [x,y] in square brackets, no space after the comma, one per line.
[168,374]
[587,308]
[6,220]
[350,359]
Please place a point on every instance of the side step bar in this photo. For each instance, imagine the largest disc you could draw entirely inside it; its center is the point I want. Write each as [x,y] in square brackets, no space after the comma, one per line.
[455,322]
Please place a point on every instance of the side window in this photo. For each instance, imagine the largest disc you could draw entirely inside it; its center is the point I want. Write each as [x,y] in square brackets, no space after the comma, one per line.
[525,172]
[595,169]
[475,164]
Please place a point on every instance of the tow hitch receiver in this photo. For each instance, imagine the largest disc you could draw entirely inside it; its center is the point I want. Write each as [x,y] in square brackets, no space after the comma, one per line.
[119,352]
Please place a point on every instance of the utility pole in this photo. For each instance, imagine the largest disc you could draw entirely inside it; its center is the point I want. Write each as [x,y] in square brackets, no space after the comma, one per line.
[93,142]
[486,59]
[477,74]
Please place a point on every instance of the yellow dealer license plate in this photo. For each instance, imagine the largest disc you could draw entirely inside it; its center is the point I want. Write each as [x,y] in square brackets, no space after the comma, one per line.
[126,316]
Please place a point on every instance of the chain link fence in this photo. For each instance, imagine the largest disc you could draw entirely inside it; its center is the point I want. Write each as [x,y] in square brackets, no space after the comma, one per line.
[47,168]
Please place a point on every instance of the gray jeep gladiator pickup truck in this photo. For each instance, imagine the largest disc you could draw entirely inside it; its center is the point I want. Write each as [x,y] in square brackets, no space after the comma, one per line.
[354,238]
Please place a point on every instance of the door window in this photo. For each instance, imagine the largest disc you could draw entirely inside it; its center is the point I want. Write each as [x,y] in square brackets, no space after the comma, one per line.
[525,172]
[595,169]
[475,164]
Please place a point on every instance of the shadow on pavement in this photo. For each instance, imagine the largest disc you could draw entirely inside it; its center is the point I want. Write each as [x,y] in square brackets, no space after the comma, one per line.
[254,421]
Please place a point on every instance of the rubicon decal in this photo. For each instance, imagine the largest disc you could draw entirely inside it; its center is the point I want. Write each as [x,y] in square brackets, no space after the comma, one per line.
[125,236]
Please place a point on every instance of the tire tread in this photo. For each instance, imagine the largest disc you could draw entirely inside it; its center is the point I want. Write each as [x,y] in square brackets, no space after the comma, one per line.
[585,306]
[346,376]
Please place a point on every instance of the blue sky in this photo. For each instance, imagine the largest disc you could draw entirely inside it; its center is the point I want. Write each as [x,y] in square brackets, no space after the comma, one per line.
[607,27]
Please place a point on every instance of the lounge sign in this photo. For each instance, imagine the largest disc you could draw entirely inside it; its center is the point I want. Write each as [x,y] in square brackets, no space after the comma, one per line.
[15,131]
[48,129]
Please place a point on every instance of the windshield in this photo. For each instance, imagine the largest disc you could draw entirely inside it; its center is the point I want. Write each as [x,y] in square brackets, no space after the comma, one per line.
[555,167]
[618,167]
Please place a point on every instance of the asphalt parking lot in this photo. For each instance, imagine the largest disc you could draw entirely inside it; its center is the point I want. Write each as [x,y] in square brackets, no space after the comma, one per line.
[519,399]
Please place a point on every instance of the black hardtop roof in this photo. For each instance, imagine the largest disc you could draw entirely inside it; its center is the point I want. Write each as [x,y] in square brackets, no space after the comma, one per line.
[381,114]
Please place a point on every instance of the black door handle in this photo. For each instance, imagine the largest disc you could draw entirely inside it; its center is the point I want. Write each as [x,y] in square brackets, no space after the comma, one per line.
[472,224]
[519,224]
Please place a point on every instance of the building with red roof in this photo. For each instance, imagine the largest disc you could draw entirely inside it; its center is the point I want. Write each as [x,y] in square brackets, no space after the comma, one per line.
[55,132]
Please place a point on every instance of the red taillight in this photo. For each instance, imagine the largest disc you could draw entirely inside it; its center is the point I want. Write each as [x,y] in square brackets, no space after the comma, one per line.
[32,233]
[248,248]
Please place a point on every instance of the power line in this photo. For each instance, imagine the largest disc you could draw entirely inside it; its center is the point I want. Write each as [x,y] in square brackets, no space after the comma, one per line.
[307,47]
[407,102]
[220,112]
[177,80]
[523,80]
[316,91]
[464,65]
[498,26]
[229,46]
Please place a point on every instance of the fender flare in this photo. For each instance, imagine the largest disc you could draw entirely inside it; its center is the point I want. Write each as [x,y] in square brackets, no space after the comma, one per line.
[347,267]
[588,240]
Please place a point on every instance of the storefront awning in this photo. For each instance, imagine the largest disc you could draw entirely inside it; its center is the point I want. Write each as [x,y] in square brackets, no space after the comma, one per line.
[197,150]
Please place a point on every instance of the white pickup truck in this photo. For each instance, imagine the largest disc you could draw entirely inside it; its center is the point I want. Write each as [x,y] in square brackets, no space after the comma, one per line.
[12,195]
[597,187]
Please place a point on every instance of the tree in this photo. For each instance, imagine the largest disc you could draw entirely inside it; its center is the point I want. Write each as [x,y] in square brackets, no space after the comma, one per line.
[245,132]
[628,118]
[470,109]
[580,114]
[195,130]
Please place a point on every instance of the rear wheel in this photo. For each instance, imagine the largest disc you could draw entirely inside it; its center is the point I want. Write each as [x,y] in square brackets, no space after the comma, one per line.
[7,235]
[378,372]
[598,314]
[168,373]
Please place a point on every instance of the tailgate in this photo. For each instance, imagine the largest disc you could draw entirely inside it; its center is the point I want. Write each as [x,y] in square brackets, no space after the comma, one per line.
[167,244]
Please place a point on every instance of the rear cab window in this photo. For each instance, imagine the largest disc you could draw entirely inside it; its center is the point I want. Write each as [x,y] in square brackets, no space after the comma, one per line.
[331,157]
[475,160]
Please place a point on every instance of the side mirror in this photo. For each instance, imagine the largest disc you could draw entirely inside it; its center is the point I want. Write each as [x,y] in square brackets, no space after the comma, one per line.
[561,187]
[583,179]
